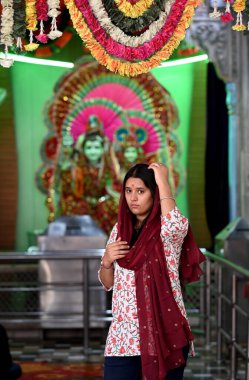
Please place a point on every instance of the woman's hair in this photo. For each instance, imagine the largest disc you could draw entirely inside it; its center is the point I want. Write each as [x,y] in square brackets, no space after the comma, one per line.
[146,175]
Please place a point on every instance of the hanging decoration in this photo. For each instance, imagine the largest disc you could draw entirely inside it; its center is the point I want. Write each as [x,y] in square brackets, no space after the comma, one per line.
[19,28]
[42,15]
[233,10]
[130,38]
[7,22]
[31,24]
[20,16]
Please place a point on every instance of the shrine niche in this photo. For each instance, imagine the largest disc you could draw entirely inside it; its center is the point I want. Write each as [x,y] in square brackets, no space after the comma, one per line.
[99,124]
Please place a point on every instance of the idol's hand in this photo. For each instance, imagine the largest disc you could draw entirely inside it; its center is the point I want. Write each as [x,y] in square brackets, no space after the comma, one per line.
[115,251]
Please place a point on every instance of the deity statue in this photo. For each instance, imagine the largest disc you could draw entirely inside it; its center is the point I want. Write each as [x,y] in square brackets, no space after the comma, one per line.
[89,177]
[129,147]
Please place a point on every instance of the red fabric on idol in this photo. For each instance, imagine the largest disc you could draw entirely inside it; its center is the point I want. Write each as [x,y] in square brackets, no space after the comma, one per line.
[163,329]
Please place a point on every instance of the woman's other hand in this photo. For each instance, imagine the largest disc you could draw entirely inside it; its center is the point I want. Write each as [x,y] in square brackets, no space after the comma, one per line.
[115,251]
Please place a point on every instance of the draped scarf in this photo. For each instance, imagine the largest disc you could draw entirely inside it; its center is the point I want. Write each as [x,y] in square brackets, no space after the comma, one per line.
[163,329]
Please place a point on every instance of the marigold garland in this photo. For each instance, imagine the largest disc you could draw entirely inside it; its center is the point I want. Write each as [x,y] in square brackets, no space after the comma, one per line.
[135,10]
[128,53]
[239,6]
[118,35]
[31,24]
[122,66]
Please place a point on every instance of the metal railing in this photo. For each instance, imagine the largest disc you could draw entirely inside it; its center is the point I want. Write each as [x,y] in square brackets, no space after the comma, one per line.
[21,290]
[221,276]
[15,260]
[214,291]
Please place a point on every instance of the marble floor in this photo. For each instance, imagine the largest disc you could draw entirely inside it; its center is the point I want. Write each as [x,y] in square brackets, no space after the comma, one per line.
[201,367]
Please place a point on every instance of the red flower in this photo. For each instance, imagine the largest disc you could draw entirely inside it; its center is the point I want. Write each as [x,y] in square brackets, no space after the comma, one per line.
[226,17]
[122,350]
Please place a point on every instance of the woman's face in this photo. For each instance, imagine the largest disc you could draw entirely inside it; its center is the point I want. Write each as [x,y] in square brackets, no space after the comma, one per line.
[138,198]
[93,150]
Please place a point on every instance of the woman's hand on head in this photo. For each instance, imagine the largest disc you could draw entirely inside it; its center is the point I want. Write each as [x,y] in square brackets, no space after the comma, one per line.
[161,173]
[115,251]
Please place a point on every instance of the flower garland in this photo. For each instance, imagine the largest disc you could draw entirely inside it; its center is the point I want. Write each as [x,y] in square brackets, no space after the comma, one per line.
[19,28]
[130,25]
[142,52]
[126,60]
[31,24]
[133,10]
[42,15]
[17,16]
[118,35]
[54,11]
[7,22]
[240,7]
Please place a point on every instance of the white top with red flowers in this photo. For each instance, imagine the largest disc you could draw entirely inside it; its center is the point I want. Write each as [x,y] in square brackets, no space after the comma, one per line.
[123,336]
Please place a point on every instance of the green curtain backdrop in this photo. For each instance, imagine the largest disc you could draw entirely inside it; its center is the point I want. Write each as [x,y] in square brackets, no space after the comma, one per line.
[178,80]
[32,88]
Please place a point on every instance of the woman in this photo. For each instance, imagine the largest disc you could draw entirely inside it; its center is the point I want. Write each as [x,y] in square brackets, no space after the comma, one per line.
[144,261]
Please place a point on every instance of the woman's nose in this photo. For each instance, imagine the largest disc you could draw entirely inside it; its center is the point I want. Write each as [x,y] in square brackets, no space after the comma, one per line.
[133,196]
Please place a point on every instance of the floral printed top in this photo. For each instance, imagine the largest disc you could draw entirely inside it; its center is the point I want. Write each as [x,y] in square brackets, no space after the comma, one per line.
[123,336]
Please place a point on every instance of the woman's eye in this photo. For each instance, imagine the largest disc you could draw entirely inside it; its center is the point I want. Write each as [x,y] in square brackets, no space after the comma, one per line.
[140,191]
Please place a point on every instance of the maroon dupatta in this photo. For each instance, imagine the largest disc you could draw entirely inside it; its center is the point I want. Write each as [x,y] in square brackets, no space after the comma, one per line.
[163,329]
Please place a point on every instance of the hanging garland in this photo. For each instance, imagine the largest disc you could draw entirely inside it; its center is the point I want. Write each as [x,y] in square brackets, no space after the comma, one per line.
[240,8]
[19,16]
[127,37]
[31,24]
[7,22]
[108,43]
[19,28]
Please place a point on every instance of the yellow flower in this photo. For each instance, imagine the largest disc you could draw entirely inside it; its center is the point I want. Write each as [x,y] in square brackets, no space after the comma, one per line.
[31,47]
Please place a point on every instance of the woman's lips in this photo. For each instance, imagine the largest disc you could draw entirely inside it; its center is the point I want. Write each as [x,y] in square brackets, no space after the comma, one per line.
[134,206]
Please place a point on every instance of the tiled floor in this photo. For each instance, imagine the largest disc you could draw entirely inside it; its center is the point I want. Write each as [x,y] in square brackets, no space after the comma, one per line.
[202,367]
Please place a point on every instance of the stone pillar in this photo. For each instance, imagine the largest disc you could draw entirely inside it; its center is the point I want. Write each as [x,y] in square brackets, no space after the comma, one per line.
[229,52]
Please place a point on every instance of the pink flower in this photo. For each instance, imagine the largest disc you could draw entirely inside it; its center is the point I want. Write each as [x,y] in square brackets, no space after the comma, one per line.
[119,286]
[120,319]
[131,340]
[226,17]
[43,38]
